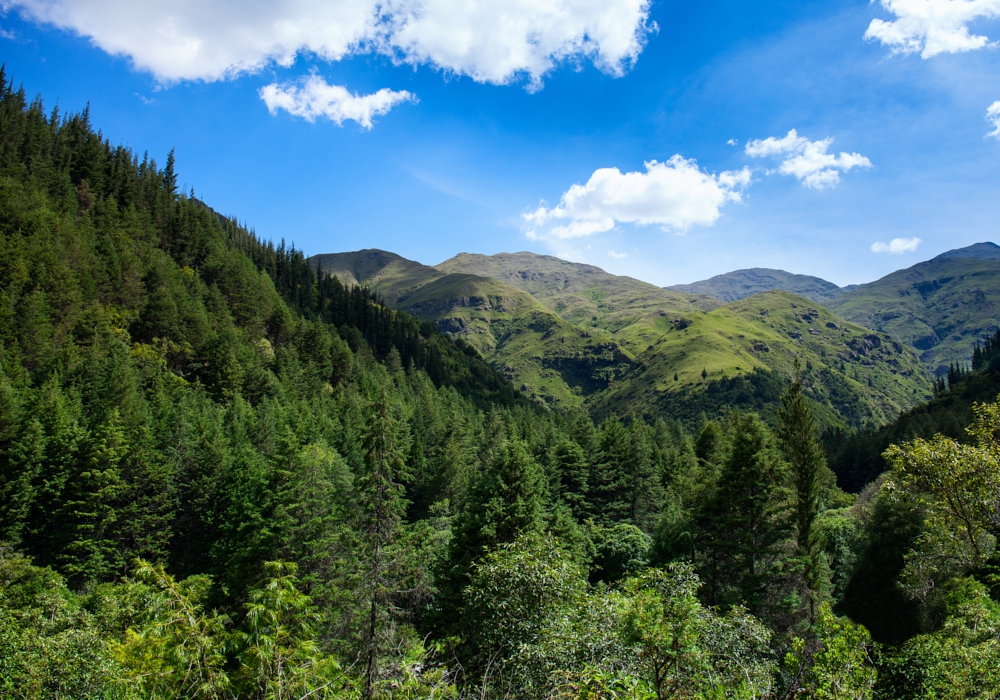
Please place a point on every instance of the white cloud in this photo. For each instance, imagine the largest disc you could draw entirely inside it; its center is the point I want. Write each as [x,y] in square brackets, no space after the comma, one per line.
[993,117]
[675,195]
[807,160]
[733,142]
[313,97]
[617,256]
[931,27]
[896,246]
[494,41]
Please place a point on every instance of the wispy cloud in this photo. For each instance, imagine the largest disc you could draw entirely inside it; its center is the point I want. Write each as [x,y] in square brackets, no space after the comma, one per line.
[617,256]
[491,41]
[809,161]
[676,195]
[932,27]
[314,97]
[897,246]
[993,117]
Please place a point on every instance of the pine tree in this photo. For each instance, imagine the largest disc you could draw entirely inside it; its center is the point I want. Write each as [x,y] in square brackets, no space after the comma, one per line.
[384,506]
[569,478]
[796,433]
[746,523]
[89,554]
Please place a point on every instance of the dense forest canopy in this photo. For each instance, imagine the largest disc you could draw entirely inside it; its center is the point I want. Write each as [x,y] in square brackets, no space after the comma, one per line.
[223,475]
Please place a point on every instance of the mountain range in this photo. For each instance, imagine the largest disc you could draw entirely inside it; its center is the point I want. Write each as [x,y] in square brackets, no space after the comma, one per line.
[739,284]
[573,335]
[940,307]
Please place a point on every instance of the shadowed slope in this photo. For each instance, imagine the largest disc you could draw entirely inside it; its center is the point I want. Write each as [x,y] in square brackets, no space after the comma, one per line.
[740,284]
[941,307]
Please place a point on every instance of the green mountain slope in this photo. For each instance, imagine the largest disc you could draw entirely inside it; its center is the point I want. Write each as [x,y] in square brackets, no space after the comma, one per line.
[390,275]
[740,284]
[574,335]
[550,359]
[941,306]
[581,294]
[748,349]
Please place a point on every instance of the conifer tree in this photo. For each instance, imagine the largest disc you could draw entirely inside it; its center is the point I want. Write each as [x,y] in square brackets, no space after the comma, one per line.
[89,513]
[569,478]
[746,523]
[384,506]
[796,433]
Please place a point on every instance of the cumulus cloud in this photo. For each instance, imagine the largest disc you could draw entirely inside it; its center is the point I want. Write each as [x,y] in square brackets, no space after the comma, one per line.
[993,117]
[897,246]
[931,27]
[675,195]
[807,160]
[494,41]
[314,97]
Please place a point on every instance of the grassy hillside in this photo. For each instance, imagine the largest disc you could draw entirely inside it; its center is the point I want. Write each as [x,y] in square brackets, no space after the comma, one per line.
[740,284]
[392,276]
[571,335]
[548,358]
[747,351]
[941,307]
[581,294]
[552,360]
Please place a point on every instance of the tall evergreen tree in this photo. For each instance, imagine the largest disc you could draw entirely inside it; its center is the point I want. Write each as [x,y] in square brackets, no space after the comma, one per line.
[796,433]
[382,495]
[747,523]
[568,480]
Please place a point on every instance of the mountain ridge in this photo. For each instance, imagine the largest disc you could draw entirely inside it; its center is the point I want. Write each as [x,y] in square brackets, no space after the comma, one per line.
[573,335]
[739,284]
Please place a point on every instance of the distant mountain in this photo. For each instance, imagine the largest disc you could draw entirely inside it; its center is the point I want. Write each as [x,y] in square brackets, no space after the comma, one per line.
[583,294]
[574,335]
[941,306]
[393,276]
[977,251]
[740,284]
[547,357]
[742,354]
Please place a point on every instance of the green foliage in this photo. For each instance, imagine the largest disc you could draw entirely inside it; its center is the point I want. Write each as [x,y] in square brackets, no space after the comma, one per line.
[746,524]
[687,649]
[856,456]
[834,662]
[961,660]
[178,649]
[277,650]
[962,516]
[795,433]
[50,647]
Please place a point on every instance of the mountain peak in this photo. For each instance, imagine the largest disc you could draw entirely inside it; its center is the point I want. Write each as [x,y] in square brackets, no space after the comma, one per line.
[976,251]
[740,284]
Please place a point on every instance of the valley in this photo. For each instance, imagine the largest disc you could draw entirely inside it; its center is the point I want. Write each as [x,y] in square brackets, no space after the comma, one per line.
[574,336]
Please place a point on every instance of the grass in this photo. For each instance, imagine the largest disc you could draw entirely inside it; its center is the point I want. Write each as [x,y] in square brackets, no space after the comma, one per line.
[572,335]
[941,307]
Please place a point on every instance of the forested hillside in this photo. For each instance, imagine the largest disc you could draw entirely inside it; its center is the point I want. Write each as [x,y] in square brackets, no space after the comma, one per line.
[224,476]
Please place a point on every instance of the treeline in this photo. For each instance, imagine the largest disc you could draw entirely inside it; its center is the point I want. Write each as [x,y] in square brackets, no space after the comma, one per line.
[223,476]
[857,456]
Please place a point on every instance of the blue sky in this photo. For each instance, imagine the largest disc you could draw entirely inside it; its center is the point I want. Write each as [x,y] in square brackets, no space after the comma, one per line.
[458,164]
